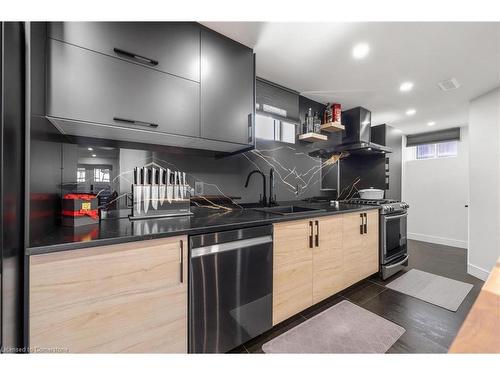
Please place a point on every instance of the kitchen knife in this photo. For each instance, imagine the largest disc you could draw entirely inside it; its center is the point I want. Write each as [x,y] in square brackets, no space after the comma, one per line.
[154,188]
[181,188]
[137,192]
[146,189]
[179,184]
[176,187]
[169,185]
[184,185]
[162,185]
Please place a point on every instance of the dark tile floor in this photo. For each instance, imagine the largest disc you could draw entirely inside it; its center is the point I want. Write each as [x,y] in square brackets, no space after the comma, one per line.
[429,328]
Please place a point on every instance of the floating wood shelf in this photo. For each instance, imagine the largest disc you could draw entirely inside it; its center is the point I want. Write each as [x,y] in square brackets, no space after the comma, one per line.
[332,127]
[312,137]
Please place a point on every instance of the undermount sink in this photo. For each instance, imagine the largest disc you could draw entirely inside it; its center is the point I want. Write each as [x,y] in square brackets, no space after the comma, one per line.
[288,210]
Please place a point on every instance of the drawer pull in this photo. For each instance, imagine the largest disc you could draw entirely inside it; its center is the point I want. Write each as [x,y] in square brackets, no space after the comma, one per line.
[311,234]
[362,222]
[139,58]
[134,122]
[317,233]
[182,261]
[366,222]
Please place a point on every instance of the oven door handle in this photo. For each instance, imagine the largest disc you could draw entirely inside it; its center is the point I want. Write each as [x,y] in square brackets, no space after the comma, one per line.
[397,264]
[390,217]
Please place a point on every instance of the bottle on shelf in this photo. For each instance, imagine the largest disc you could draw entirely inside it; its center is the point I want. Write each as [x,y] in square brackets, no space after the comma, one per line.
[336,111]
[317,123]
[327,115]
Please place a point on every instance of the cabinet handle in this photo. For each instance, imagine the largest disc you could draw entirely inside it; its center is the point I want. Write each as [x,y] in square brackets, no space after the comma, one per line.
[141,59]
[182,261]
[366,223]
[317,233]
[361,226]
[311,234]
[250,127]
[134,122]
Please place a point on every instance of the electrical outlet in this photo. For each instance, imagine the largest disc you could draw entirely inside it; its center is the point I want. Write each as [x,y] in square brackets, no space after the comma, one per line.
[199,188]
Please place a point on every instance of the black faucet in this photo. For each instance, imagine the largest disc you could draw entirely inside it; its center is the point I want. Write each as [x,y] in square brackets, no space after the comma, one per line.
[272,196]
[263,199]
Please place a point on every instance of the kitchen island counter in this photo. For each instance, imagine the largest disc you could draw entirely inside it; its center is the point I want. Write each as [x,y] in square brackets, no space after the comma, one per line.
[204,220]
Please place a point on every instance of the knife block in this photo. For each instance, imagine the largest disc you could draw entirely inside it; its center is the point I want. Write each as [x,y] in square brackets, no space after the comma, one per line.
[176,207]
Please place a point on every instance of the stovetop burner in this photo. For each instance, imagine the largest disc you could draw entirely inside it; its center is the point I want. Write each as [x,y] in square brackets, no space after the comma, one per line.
[388,206]
[372,202]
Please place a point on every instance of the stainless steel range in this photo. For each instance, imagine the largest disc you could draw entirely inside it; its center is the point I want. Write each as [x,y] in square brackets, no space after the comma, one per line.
[392,227]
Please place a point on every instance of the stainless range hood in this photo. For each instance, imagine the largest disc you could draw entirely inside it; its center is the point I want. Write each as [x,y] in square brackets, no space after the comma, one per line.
[356,138]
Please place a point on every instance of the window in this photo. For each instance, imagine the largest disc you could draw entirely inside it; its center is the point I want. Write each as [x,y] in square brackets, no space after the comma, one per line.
[426,151]
[275,130]
[433,151]
[446,149]
[101,175]
[80,175]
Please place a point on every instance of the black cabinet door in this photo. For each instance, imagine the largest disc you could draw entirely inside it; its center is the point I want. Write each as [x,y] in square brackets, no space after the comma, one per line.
[87,86]
[172,47]
[227,89]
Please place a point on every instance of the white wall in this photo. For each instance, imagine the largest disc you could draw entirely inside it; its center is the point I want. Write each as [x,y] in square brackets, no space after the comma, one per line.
[484,210]
[437,192]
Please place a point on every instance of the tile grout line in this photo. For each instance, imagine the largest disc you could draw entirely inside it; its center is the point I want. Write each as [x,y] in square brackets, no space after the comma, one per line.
[372,297]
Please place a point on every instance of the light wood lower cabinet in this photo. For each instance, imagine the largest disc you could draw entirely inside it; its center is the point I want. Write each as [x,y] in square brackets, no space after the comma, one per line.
[121,298]
[361,250]
[316,258]
[327,258]
[292,268]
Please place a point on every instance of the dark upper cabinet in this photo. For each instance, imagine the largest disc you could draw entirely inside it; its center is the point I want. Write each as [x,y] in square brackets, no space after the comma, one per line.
[144,82]
[227,89]
[283,102]
[171,47]
[90,87]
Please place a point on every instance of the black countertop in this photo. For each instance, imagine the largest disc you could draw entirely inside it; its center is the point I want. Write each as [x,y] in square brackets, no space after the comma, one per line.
[204,220]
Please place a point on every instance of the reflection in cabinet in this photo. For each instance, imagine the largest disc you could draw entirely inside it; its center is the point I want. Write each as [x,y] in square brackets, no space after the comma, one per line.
[171,47]
[87,86]
[360,244]
[119,298]
[227,89]
[327,258]
[292,269]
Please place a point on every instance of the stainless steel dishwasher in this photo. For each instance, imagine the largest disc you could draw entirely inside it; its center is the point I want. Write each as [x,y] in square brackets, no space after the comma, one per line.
[231,285]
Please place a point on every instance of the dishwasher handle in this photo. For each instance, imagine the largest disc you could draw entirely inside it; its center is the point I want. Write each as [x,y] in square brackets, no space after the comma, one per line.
[228,246]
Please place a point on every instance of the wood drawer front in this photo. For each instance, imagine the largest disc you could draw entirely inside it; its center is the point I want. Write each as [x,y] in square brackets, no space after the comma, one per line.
[88,86]
[328,259]
[174,45]
[292,269]
[119,298]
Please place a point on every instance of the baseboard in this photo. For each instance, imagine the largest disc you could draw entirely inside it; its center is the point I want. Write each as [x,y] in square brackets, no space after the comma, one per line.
[437,240]
[478,272]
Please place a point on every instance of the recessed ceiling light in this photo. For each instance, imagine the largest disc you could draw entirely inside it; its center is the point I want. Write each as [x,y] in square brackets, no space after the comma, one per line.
[411,111]
[94,155]
[406,86]
[90,149]
[360,50]
[431,123]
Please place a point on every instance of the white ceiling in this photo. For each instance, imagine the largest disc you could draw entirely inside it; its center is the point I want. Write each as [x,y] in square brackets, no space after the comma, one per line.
[315,59]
